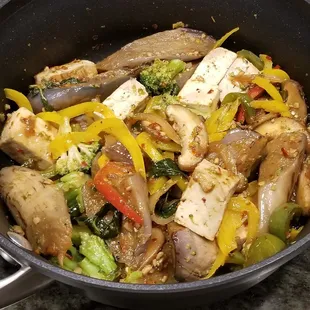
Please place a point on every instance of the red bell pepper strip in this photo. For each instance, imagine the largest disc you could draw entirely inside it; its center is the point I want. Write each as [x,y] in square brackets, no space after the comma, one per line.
[111,194]
[240,114]
[255,91]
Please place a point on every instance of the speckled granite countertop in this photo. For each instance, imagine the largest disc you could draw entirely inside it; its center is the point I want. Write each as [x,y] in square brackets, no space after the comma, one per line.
[288,288]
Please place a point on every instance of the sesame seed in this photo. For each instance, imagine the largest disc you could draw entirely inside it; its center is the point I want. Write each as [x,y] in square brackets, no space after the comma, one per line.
[147,269]
[164,279]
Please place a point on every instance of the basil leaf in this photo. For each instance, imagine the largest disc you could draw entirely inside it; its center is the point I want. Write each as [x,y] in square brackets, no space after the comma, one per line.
[106,223]
[165,167]
[165,209]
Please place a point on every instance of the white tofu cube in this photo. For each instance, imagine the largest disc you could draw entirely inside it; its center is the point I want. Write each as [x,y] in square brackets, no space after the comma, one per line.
[239,66]
[79,69]
[201,91]
[26,137]
[205,199]
[126,99]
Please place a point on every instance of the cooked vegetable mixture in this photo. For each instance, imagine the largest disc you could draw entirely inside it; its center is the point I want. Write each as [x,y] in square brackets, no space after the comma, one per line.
[173,159]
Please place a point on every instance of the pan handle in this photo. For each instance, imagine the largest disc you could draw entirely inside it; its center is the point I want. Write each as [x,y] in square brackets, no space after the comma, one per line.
[21,284]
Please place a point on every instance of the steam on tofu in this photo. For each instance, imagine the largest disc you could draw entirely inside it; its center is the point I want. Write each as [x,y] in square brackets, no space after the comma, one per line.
[26,138]
[126,99]
[201,91]
[240,66]
[79,69]
[204,201]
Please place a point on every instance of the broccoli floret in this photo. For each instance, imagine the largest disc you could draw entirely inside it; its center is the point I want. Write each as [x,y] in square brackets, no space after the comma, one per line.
[91,270]
[76,230]
[159,78]
[72,181]
[98,254]
[69,264]
[158,104]
[72,184]
[78,158]
[132,276]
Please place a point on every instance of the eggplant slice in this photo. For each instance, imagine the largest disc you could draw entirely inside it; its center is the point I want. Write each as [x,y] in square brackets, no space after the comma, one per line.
[182,43]
[278,173]
[101,85]
[39,207]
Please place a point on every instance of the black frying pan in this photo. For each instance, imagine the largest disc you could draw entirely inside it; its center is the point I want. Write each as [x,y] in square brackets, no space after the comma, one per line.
[40,32]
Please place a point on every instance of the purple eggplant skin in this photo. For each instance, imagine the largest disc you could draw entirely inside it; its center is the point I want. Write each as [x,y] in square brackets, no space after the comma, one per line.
[182,43]
[101,85]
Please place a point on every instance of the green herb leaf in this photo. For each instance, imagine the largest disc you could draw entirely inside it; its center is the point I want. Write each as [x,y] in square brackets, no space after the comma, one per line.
[165,208]
[165,167]
[106,223]
[71,80]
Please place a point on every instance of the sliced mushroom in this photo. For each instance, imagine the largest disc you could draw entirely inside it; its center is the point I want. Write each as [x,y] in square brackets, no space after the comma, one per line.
[194,255]
[259,118]
[134,191]
[295,100]
[277,126]
[39,208]
[303,187]
[239,152]
[155,244]
[279,172]
[194,138]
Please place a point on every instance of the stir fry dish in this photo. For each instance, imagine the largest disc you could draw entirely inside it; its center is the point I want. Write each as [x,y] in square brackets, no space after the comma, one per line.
[173,159]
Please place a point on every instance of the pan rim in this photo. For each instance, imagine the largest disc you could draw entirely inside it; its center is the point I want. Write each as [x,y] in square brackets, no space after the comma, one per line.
[42,264]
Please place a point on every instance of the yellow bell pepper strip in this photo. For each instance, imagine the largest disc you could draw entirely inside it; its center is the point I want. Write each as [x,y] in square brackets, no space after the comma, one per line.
[146,144]
[274,106]
[87,107]
[269,88]
[20,99]
[232,220]
[168,154]
[221,119]
[267,61]
[226,238]
[225,37]
[167,146]
[294,233]
[53,117]
[218,136]
[240,204]
[62,143]
[65,126]
[278,73]
[119,130]
[155,184]
[181,182]
[103,160]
